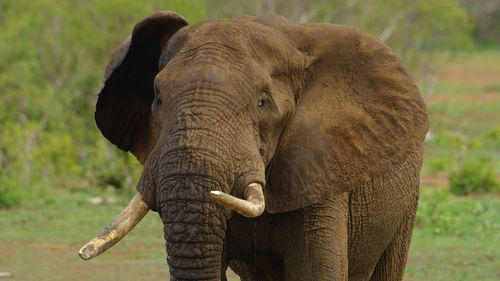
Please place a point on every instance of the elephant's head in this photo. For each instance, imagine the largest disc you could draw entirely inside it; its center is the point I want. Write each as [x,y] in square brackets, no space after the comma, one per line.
[251,108]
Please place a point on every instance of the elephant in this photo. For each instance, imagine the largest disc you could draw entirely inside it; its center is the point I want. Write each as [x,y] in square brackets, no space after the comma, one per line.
[283,151]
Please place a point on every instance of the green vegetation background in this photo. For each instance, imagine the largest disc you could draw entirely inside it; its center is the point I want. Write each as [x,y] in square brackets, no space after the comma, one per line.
[52,156]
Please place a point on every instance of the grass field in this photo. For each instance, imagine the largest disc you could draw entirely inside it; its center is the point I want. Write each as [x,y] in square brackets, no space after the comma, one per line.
[456,238]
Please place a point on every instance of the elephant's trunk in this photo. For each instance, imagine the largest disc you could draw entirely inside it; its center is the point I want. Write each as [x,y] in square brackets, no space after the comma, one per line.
[194,223]
[194,248]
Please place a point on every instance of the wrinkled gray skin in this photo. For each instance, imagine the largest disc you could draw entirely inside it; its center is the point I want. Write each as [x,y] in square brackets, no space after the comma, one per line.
[325,117]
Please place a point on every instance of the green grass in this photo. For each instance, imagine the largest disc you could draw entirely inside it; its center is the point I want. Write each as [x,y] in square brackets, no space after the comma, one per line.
[41,242]
[68,211]
[448,88]
[484,57]
[467,118]
[455,238]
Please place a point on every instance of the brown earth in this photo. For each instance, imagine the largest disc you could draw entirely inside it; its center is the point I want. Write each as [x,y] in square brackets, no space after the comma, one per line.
[434,180]
[60,261]
[478,76]
[485,96]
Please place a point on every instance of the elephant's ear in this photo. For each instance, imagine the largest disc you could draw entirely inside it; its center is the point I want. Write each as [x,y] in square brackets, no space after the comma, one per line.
[123,110]
[359,115]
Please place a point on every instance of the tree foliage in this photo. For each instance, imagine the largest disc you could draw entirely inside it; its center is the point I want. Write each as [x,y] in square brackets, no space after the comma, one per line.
[486,15]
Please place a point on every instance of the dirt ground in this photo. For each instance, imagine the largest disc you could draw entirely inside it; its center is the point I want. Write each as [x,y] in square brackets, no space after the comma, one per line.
[61,262]
[56,262]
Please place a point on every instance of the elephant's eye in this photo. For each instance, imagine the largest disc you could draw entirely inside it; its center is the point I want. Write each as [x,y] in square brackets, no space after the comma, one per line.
[263,101]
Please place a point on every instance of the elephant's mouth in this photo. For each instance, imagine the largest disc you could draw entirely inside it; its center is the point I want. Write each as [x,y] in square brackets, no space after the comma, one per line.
[252,206]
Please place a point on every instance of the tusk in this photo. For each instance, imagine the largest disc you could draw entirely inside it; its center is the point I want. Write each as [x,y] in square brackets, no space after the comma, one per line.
[253,205]
[117,229]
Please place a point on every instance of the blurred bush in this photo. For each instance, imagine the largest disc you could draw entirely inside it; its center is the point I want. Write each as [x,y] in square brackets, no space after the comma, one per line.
[475,175]
[429,209]
[486,15]
[469,164]
[441,213]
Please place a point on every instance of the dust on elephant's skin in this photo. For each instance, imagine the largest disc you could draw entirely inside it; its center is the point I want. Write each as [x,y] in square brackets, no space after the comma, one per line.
[324,118]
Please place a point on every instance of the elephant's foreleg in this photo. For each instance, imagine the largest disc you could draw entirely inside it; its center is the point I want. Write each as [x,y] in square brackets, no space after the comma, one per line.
[323,255]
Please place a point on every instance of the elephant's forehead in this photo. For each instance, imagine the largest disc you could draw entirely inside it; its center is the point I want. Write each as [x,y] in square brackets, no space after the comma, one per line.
[207,43]
[237,37]
[229,30]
